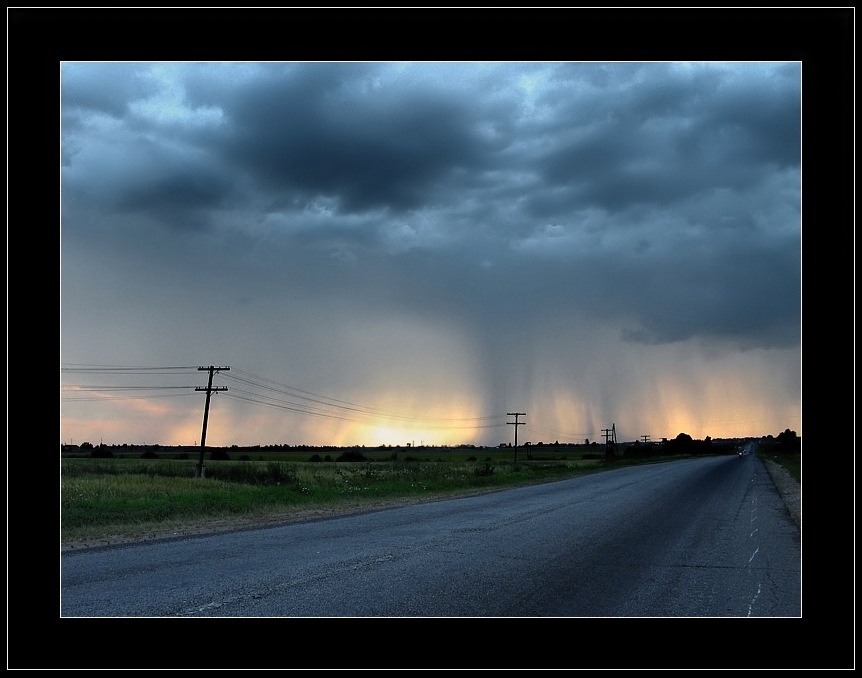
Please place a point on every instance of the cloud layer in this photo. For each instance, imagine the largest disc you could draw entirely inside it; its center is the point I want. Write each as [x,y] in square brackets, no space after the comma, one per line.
[591,243]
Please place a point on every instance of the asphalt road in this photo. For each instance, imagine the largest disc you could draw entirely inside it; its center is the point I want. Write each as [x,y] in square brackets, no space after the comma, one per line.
[708,537]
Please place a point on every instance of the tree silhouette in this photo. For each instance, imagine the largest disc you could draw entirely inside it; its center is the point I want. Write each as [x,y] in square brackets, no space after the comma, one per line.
[788,441]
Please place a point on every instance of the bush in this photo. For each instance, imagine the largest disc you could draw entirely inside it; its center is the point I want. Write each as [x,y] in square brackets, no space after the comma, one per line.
[274,473]
[788,441]
[485,470]
[351,455]
[101,452]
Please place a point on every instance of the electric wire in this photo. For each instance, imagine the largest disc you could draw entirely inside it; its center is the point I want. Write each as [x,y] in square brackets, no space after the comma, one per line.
[313,404]
[337,408]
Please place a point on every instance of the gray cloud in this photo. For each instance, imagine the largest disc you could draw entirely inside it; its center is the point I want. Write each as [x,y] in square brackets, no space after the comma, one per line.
[519,203]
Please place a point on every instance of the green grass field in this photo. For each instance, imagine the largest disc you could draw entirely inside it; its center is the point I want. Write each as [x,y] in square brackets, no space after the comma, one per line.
[127,495]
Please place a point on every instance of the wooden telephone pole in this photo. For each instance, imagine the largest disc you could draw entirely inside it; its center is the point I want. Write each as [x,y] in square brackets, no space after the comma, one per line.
[516,424]
[210,389]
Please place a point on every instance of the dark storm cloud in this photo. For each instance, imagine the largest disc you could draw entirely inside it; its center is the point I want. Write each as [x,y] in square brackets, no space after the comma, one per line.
[567,239]
[666,135]
[109,93]
[663,195]
[749,298]
[122,160]
[331,130]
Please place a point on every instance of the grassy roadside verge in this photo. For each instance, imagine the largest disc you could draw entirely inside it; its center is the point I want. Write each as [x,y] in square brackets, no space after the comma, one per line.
[108,501]
[789,460]
[105,501]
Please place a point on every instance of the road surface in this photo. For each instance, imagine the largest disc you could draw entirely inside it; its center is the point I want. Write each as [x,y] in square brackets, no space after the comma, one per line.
[706,537]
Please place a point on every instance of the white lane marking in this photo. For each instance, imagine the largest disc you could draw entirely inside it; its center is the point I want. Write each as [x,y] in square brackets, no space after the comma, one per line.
[753,554]
[756,596]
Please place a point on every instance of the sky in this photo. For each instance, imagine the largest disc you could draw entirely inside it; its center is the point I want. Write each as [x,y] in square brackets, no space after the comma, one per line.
[409,253]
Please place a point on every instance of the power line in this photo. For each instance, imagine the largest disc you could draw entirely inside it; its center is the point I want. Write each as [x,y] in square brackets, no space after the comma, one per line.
[92,387]
[68,399]
[289,398]
[343,404]
[310,403]
[269,401]
[138,369]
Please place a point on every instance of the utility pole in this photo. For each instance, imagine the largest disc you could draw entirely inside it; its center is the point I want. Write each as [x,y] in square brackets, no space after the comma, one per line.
[645,437]
[610,441]
[210,389]
[516,424]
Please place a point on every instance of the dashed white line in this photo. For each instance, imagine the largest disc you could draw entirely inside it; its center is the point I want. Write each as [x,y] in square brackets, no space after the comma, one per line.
[756,596]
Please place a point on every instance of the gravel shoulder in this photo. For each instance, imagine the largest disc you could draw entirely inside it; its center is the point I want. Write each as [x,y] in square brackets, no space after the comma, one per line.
[788,487]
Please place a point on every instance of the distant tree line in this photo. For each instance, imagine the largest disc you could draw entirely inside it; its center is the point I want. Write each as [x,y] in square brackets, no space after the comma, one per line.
[785,442]
[683,444]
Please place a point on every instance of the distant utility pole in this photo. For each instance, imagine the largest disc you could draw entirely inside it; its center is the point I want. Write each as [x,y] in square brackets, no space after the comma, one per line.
[516,424]
[610,441]
[645,437]
[210,389]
